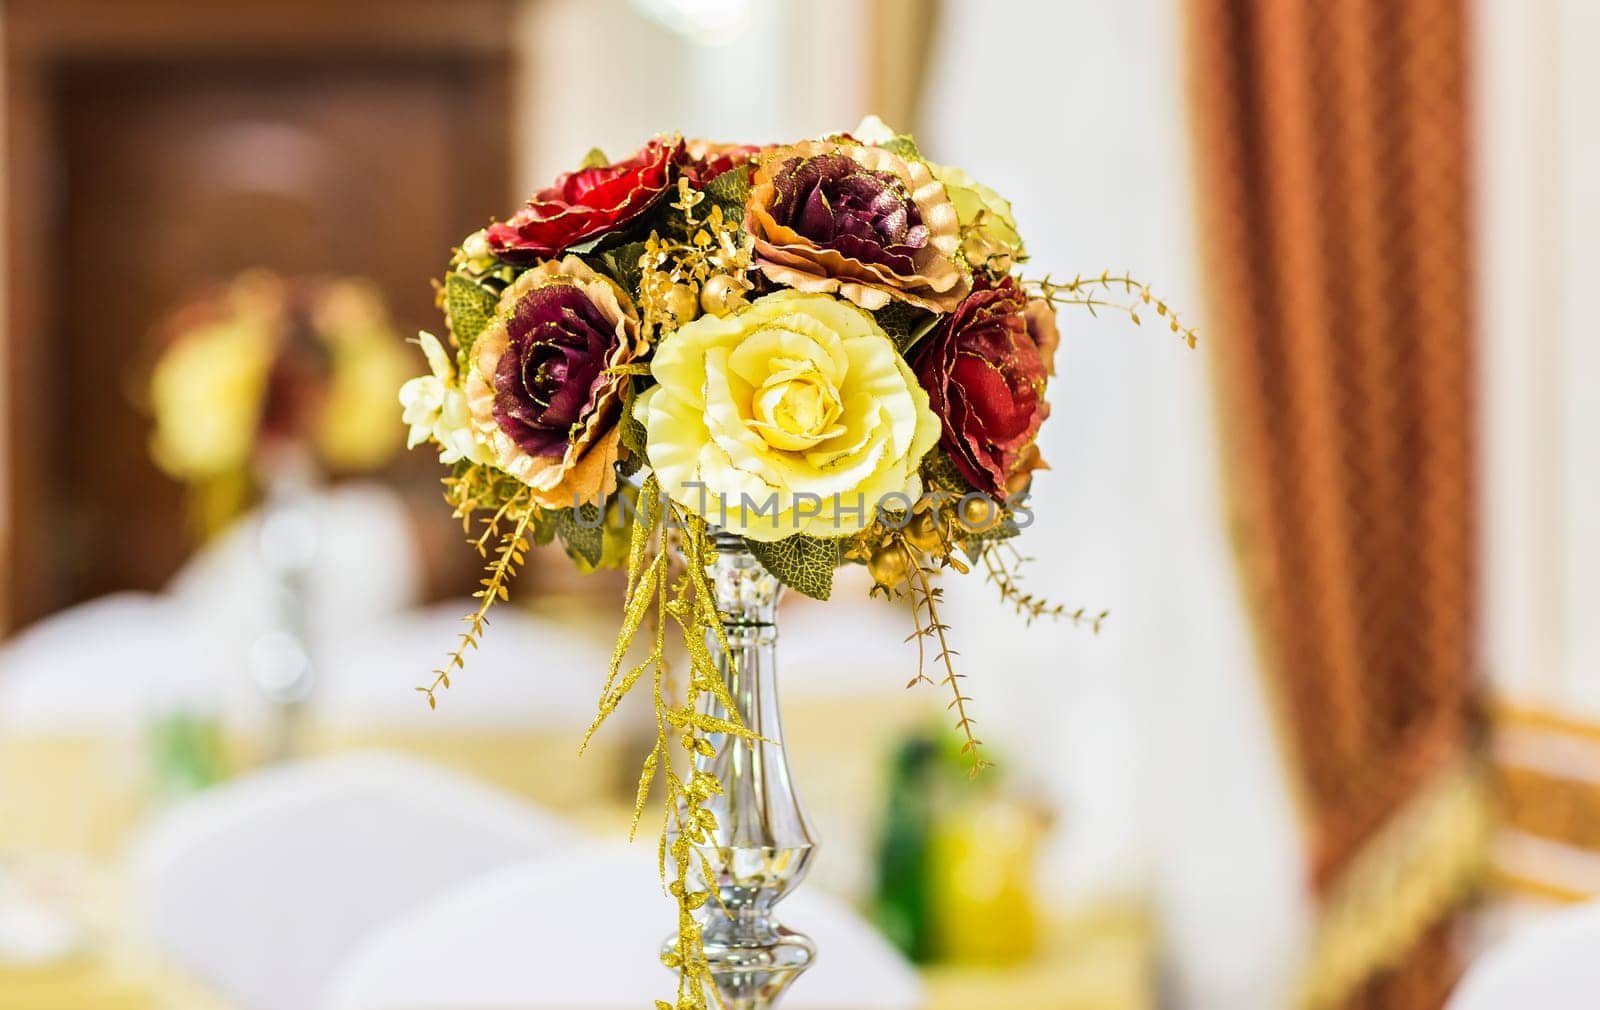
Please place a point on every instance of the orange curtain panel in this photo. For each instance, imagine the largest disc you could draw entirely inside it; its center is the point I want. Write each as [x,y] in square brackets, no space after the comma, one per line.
[1332,143]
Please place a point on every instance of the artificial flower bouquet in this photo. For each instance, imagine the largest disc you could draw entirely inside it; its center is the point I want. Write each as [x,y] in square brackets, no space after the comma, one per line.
[266,365]
[826,348]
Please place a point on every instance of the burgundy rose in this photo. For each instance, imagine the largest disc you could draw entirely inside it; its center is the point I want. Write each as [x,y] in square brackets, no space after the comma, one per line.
[554,367]
[862,213]
[542,390]
[857,220]
[985,376]
[585,204]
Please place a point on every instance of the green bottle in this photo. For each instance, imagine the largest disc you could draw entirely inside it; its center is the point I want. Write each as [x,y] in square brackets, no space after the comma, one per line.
[901,905]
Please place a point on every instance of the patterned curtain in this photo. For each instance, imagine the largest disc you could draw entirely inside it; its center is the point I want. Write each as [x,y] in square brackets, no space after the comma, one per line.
[1334,185]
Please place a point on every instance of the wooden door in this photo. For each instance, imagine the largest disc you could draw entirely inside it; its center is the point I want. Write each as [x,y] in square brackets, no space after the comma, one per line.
[284,136]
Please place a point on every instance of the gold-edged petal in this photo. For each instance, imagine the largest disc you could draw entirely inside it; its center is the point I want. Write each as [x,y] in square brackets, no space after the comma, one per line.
[585,472]
[789,258]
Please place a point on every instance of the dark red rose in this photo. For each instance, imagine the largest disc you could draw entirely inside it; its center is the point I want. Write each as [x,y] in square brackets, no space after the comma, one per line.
[985,378]
[297,386]
[706,160]
[586,204]
[302,368]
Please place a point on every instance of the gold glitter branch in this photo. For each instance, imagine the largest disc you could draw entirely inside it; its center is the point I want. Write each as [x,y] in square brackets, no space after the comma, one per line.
[675,272]
[925,598]
[474,488]
[1007,576]
[1095,293]
[688,601]
[494,586]
[645,573]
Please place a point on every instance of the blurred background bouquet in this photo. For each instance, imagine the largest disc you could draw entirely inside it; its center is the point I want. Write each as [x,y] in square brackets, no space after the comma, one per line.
[269,379]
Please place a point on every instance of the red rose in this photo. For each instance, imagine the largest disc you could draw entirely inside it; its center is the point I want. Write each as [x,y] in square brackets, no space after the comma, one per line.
[985,376]
[585,204]
[706,160]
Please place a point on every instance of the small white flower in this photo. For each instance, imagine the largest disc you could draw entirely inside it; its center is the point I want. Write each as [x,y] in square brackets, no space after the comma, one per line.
[422,400]
[872,130]
[474,256]
[436,408]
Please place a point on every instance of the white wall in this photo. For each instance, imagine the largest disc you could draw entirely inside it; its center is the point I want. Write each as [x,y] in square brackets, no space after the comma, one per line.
[1539,258]
[1578,324]
[793,72]
[1155,736]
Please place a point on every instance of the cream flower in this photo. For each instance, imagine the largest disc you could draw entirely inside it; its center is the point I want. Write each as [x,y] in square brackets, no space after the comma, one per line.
[873,130]
[989,234]
[436,408]
[474,255]
[795,414]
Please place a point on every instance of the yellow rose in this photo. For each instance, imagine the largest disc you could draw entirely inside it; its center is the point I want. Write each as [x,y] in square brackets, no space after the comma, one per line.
[989,234]
[795,414]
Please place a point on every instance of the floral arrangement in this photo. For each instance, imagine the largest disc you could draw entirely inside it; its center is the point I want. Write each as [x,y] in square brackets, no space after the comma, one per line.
[827,348]
[265,365]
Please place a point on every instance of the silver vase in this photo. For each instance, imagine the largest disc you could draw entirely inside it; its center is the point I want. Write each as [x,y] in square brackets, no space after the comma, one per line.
[763,844]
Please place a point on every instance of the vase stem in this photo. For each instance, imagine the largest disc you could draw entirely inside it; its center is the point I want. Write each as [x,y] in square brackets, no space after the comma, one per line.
[763,844]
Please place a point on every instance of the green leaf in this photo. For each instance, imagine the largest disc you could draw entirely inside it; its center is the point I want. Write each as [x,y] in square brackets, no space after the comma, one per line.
[904,146]
[804,564]
[468,308]
[906,324]
[608,240]
[596,158]
[622,265]
[584,542]
[631,432]
[730,191]
[661,218]
[942,475]
[543,527]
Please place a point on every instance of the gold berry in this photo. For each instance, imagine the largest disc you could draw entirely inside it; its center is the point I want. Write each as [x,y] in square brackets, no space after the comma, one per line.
[721,295]
[683,302]
[888,565]
[923,533]
[979,513]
